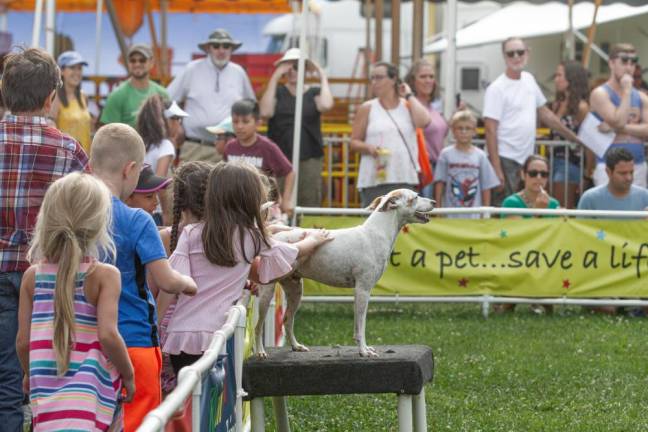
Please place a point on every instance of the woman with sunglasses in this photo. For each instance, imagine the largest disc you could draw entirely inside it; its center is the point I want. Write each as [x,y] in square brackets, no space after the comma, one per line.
[384,133]
[534,176]
[70,108]
[278,105]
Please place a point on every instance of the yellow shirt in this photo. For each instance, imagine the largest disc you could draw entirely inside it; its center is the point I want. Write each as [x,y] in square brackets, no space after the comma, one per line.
[75,121]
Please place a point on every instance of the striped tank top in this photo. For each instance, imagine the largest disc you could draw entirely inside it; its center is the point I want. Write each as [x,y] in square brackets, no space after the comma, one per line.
[85,398]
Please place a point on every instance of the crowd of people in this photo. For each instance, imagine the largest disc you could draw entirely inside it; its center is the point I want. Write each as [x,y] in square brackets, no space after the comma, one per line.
[127,234]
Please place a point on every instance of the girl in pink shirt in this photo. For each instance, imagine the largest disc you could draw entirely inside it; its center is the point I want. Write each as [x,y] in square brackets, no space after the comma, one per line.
[218,253]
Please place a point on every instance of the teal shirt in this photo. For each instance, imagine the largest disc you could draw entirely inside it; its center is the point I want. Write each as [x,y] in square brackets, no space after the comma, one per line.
[124,103]
[516,201]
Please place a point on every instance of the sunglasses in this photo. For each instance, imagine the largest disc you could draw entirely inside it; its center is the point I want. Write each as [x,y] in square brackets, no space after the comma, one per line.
[513,53]
[536,173]
[628,59]
[377,77]
[221,45]
[176,118]
[137,60]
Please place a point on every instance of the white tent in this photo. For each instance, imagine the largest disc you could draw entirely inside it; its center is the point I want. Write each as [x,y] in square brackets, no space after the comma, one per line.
[528,21]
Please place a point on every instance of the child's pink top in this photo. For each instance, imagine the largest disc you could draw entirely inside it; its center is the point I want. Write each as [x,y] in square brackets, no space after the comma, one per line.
[196,318]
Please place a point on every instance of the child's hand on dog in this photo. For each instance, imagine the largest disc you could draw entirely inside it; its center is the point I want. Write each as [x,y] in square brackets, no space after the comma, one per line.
[311,241]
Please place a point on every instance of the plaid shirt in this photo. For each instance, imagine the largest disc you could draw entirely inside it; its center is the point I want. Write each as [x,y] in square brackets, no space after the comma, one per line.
[32,156]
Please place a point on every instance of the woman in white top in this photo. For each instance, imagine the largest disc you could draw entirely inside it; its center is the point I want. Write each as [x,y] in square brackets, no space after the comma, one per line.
[157,121]
[384,133]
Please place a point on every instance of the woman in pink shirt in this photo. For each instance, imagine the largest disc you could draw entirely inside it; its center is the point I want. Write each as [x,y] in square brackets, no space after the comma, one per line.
[421,80]
[218,253]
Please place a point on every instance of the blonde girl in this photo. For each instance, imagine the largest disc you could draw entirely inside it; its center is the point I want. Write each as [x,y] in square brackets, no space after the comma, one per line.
[74,359]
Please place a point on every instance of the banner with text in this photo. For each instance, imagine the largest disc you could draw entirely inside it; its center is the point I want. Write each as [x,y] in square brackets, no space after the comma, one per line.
[550,257]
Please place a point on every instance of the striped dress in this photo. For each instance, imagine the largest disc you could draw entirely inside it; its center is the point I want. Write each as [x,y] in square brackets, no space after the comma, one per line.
[85,398]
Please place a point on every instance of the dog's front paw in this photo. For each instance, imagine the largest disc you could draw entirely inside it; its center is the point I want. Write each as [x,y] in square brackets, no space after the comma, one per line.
[300,348]
[368,351]
[262,355]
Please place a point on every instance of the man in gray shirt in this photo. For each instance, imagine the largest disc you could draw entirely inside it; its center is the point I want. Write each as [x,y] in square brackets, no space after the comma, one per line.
[619,193]
[208,87]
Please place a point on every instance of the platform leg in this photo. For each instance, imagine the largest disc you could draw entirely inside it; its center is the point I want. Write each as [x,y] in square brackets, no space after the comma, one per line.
[281,413]
[257,415]
[418,406]
[404,413]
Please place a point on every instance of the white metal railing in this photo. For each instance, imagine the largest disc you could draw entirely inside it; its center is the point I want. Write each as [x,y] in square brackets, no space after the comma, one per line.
[190,377]
[485,300]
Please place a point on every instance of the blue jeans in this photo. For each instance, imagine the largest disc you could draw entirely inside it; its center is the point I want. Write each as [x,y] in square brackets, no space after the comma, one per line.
[11,374]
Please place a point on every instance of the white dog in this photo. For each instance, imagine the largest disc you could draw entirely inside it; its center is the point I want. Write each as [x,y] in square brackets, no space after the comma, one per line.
[356,258]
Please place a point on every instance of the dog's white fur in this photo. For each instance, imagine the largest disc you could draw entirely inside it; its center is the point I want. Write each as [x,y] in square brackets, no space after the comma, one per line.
[356,258]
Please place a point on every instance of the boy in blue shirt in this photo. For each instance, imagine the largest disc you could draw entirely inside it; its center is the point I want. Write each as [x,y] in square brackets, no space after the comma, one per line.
[116,158]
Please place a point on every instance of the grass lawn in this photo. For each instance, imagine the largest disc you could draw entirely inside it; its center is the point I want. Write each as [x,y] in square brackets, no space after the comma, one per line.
[572,371]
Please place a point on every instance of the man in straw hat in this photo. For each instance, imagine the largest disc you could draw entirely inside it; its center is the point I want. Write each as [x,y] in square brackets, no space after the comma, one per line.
[208,87]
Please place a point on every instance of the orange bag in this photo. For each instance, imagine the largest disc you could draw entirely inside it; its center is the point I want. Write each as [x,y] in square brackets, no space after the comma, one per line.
[425,176]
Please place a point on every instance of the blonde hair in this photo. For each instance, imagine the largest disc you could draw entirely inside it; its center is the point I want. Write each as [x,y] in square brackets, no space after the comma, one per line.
[463,116]
[73,222]
[115,145]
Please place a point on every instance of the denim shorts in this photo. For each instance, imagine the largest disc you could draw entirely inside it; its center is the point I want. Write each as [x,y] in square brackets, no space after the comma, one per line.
[574,172]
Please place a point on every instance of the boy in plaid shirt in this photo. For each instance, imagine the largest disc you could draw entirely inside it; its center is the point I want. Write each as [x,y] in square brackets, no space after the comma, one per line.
[32,156]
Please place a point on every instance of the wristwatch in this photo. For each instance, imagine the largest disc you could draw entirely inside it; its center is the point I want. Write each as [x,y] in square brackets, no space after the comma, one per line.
[408,95]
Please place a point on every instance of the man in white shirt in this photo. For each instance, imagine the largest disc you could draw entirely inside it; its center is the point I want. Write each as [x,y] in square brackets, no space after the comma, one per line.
[208,87]
[512,104]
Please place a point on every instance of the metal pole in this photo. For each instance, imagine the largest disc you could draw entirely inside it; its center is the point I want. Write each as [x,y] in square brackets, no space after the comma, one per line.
[110,7]
[590,35]
[301,66]
[38,18]
[50,27]
[4,24]
[98,29]
[450,58]
[164,55]
[417,30]
[570,41]
[379,12]
[395,32]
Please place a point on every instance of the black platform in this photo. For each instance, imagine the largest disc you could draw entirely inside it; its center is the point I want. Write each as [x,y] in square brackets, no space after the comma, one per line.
[401,369]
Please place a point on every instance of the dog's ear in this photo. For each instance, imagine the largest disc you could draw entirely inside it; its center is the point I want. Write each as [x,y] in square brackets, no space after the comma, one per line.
[389,204]
[374,203]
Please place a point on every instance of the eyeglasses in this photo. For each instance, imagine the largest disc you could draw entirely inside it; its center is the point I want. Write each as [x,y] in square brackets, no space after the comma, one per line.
[221,45]
[513,53]
[141,60]
[625,59]
[377,77]
[536,173]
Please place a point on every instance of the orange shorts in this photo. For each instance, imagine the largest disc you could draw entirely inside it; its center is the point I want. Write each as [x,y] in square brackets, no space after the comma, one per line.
[147,363]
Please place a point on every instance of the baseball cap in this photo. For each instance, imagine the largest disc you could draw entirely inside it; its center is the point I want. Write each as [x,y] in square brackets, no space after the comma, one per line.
[148,182]
[222,128]
[70,58]
[143,49]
